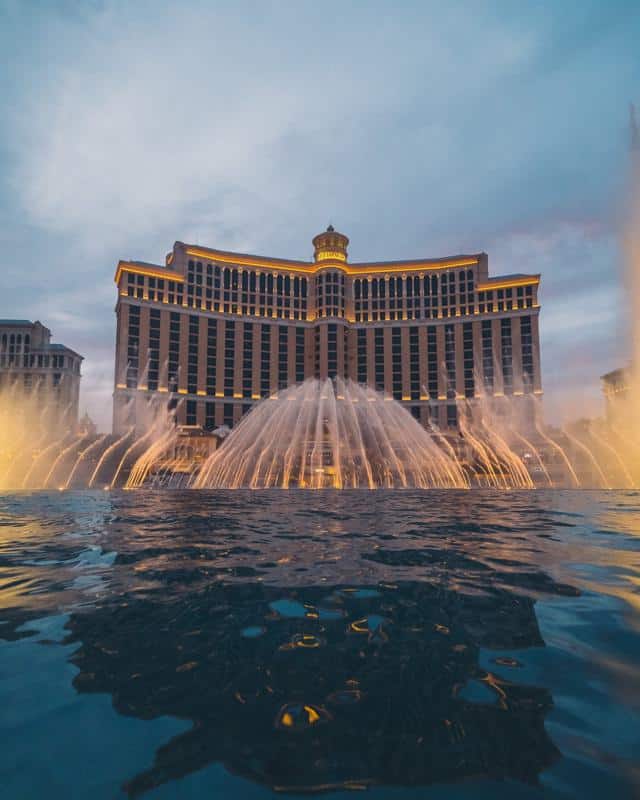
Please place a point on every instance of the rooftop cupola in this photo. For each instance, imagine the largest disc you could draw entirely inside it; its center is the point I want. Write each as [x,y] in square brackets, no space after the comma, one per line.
[330,245]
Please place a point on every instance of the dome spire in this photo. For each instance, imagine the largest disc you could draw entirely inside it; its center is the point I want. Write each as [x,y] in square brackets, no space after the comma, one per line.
[330,245]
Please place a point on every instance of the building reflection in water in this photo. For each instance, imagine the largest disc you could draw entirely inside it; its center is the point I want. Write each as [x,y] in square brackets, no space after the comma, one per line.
[322,687]
[313,640]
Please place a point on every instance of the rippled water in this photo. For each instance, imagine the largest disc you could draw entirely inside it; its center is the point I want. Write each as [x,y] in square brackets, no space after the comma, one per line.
[237,644]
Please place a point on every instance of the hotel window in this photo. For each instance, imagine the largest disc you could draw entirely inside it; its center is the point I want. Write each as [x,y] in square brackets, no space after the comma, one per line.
[528,296]
[229,356]
[396,362]
[332,350]
[217,274]
[379,358]
[192,356]
[133,345]
[154,349]
[426,300]
[269,295]
[304,286]
[526,338]
[362,355]
[191,415]
[283,356]
[444,295]
[414,363]
[299,354]
[432,362]
[247,358]
[265,360]
[227,412]
[507,356]
[212,344]
[462,292]
[413,297]
[174,351]
[415,412]
[450,360]
[452,416]
[365,300]
[209,415]
[244,291]
[382,286]
[467,355]
[252,292]
[487,354]
[395,298]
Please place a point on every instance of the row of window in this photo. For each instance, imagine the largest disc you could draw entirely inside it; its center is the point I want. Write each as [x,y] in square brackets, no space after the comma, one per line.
[229,416]
[13,343]
[234,291]
[39,361]
[290,349]
[35,380]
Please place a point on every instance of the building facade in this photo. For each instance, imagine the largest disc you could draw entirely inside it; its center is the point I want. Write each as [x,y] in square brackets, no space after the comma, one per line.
[219,331]
[32,364]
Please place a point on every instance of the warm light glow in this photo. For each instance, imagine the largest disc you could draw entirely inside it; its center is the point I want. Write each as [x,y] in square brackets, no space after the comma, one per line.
[305,267]
[151,272]
[335,255]
[496,283]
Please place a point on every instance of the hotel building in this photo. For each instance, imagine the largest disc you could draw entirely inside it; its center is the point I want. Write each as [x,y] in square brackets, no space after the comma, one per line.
[218,331]
[30,362]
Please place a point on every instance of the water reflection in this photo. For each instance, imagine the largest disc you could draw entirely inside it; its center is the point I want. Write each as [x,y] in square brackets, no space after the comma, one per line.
[385,691]
[314,642]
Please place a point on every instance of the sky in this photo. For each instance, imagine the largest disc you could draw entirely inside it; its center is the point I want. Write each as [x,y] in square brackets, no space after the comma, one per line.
[419,129]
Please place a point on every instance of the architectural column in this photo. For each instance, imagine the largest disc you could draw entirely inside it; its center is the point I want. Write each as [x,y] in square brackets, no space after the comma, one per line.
[498,380]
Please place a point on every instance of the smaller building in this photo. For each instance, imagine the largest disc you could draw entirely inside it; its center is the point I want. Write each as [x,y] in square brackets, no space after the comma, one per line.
[31,363]
[615,386]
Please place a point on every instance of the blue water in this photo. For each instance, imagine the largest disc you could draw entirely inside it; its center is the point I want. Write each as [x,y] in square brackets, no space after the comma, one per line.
[246,644]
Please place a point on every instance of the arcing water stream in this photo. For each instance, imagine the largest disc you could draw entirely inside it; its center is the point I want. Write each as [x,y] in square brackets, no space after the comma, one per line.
[328,434]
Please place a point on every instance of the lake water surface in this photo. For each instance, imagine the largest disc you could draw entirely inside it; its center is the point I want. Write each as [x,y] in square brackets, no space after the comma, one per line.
[242,644]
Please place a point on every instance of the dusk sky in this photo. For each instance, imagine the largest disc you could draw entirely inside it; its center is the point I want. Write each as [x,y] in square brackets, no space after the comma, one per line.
[418,129]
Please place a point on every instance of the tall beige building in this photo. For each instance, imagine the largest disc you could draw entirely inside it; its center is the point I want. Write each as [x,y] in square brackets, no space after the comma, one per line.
[31,364]
[218,331]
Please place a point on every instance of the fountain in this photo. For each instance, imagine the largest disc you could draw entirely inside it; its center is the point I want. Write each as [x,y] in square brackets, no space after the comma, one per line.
[331,434]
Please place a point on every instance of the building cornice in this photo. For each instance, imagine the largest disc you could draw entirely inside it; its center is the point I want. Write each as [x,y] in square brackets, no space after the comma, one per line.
[508,283]
[150,271]
[308,268]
